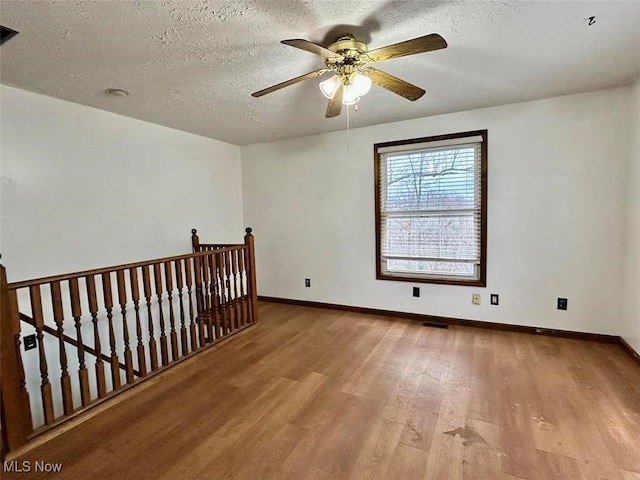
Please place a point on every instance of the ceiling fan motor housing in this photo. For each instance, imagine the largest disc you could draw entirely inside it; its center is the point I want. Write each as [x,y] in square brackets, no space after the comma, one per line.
[347,45]
[350,54]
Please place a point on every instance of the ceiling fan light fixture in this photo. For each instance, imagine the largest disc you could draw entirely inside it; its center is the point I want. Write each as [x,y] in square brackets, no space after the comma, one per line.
[330,86]
[361,84]
[350,95]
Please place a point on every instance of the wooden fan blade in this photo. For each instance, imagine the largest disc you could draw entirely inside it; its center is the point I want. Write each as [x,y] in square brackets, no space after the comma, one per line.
[409,47]
[395,84]
[335,104]
[293,81]
[307,46]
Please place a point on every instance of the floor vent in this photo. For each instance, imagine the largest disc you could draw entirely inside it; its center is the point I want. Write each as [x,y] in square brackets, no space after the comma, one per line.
[6,34]
[435,325]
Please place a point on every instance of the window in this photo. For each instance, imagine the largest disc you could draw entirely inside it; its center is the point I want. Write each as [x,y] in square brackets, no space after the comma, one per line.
[431,209]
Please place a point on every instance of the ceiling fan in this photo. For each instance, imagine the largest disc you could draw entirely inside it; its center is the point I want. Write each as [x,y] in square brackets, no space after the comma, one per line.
[349,59]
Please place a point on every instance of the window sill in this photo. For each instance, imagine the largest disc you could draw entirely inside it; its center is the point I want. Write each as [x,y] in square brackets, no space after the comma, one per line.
[441,281]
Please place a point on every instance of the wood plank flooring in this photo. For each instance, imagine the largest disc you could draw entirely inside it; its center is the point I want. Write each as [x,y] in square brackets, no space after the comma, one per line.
[312,394]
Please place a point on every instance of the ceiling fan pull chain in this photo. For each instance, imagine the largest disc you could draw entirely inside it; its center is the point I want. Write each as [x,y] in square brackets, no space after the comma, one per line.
[348,137]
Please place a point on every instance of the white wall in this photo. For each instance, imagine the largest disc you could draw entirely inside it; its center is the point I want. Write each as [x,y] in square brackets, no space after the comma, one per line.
[84,188]
[556,214]
[631,332]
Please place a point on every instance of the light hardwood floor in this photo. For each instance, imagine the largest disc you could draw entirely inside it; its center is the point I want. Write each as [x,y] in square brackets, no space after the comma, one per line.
[312,394]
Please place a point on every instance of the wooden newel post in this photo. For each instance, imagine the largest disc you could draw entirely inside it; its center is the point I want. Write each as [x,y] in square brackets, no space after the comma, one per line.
[16,410]
[251,273]
[195,240]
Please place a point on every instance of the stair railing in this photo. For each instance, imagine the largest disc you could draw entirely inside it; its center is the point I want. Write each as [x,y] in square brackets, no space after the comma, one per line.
[102,331]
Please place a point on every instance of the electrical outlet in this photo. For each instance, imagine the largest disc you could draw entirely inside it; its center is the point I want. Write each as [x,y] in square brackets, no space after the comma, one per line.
[494,299]
[475,299]
[29,342]
[307,282]
[562,303]
[416,291]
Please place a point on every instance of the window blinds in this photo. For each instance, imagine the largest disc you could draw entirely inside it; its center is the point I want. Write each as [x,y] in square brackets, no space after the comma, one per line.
[430,207]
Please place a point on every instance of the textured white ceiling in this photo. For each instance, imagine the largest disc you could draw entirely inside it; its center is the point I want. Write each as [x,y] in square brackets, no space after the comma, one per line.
[192,64]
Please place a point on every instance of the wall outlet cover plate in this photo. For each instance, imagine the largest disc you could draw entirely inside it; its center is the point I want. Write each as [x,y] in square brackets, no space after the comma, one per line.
[29,342]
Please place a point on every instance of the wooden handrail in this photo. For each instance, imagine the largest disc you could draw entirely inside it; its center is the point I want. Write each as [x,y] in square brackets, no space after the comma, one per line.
[115,268]
[219,246]
[72,341]
[197,246]
[222,245]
